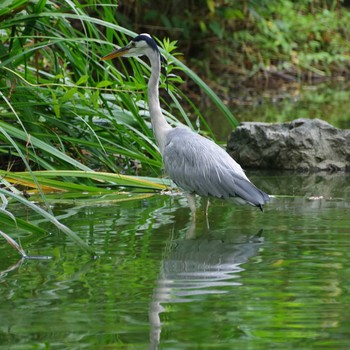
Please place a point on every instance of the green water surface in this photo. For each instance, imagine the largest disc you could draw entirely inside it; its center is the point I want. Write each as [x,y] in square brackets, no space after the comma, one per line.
[273,280]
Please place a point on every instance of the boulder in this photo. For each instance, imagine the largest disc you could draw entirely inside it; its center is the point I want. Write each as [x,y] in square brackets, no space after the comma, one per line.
[303,144]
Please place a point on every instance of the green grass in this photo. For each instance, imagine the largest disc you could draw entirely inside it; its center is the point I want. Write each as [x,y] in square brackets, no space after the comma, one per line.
[70,122]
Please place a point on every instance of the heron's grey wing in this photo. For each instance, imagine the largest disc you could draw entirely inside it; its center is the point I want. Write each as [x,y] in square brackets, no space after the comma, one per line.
[198,165]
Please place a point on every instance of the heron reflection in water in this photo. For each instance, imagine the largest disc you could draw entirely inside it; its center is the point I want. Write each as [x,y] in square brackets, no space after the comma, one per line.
[194,268]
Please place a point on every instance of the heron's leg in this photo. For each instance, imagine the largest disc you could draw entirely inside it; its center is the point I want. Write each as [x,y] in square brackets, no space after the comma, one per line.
[191,231]
[205,210]
[191,198]
[205,206]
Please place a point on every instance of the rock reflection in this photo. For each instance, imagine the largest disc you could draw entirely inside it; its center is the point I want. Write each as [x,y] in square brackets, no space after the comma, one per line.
[199,266]
[304,184]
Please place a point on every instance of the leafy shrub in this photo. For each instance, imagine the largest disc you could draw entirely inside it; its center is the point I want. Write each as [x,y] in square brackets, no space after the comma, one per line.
[233,41]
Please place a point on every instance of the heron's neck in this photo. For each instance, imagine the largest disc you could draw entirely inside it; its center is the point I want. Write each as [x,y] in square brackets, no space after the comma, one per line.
[159,124]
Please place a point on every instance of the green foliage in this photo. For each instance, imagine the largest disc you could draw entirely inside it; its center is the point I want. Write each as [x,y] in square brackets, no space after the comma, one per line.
[63,109]
[234,40]
[86,113]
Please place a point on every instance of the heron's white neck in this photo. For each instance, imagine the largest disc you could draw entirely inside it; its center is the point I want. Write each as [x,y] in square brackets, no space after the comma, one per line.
[159,124]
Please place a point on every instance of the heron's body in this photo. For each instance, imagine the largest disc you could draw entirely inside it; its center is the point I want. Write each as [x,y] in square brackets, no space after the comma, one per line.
[196,164]
[199,166]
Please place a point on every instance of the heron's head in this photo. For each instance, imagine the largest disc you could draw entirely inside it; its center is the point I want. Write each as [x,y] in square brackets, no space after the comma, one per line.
[142,44]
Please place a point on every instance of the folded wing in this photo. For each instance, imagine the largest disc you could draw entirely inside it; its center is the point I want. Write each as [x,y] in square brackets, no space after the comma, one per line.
[198,165]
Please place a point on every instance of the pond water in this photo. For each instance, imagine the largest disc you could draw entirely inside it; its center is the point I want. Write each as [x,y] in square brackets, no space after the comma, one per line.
[327,101]
[273,280]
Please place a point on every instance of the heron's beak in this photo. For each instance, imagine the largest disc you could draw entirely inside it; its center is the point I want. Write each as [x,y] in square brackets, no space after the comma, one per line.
[118,53]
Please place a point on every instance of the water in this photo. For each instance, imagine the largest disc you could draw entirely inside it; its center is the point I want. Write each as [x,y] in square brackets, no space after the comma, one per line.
[272,280]
[328,101]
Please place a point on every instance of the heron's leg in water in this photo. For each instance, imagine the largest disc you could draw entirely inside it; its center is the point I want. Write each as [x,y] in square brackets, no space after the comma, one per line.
[191,198]
[205,206]
[205,210]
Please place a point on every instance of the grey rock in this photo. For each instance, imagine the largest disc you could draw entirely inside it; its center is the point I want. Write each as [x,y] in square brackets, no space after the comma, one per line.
[303,144]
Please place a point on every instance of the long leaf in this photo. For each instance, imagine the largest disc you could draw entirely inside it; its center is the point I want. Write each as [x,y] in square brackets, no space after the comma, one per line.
[116,179]
[19,134]
[72,235]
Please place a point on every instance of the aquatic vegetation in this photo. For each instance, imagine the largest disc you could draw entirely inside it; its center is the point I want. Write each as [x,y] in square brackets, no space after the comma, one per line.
[64,109]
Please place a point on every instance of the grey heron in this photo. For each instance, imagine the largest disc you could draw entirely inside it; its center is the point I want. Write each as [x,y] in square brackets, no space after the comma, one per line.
[196,164]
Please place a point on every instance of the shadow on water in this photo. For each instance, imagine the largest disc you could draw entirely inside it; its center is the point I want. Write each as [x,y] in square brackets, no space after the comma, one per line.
[162,283]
